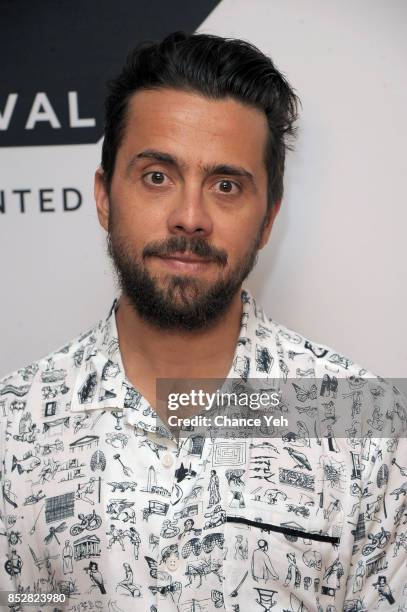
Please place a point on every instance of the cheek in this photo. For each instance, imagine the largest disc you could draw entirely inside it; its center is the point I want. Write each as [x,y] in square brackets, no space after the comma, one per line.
[242,241]
[132,208]
[137,225]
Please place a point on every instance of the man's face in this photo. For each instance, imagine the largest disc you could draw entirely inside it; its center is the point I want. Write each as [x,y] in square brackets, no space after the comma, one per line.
[186,213]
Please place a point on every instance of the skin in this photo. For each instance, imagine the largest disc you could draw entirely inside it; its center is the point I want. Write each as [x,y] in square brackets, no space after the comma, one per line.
[188,201]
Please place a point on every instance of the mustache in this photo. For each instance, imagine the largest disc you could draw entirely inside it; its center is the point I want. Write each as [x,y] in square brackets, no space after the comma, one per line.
[182,244]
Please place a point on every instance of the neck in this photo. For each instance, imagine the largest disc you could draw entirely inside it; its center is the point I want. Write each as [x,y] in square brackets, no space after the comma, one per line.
[149,351]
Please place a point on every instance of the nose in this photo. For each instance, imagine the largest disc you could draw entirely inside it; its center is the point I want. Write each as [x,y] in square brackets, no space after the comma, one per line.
[190,215]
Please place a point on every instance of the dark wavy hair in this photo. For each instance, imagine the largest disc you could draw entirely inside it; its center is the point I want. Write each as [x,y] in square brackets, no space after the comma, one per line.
[214,67]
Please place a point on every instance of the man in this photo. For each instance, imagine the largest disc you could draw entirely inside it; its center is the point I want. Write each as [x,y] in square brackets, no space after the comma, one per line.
[189,187]
[67,556]
[95,576]
[262,568]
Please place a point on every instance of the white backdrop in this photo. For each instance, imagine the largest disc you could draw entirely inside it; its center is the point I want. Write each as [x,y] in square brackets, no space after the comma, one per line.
[334,267]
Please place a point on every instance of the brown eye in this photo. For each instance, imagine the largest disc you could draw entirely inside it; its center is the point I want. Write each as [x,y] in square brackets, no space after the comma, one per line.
[226,186]
[157,178]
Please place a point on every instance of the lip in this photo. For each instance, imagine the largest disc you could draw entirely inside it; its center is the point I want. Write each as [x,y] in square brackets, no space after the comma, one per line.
[184,262]
[186,257]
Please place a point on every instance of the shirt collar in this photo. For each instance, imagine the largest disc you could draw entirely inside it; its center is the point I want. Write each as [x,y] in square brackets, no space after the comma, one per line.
[101,382]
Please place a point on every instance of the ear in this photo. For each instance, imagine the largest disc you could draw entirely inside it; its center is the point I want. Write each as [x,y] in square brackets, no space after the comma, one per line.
[101,198]
[271,215]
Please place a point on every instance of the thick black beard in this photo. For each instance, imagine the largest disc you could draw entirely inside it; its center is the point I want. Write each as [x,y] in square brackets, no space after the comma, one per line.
[199,308]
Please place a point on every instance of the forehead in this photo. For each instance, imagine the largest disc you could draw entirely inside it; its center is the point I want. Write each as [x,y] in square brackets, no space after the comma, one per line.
[195,128]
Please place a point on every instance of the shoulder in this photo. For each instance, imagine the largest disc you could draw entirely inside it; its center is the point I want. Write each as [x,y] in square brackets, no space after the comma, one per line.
[47,378]
[301,357]
[292,353]
[295,346]
[378,404]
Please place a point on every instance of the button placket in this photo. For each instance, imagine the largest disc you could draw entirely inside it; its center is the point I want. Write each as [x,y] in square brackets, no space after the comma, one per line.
[168,462]
[167,459]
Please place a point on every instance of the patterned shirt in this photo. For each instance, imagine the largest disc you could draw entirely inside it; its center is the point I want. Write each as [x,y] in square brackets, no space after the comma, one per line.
[101,503]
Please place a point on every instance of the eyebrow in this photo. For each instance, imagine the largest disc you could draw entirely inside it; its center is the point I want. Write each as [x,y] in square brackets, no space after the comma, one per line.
[209,170]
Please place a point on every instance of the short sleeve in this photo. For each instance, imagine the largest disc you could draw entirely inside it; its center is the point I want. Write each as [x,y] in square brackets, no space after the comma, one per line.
[6,583]
[378,575]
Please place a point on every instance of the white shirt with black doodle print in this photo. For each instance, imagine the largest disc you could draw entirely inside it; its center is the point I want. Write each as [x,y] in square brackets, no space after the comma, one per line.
[100,503]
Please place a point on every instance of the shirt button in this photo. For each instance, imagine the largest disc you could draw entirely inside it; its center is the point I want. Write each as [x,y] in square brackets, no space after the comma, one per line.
[172,563]
[167,460]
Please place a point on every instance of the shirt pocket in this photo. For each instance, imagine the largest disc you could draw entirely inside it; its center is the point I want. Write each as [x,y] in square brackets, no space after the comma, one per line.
[273,558]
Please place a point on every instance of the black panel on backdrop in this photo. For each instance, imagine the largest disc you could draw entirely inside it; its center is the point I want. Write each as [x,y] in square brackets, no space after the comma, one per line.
[57,56]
